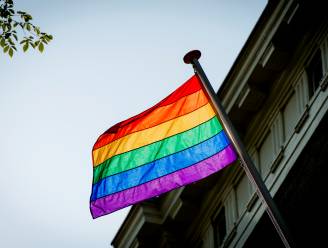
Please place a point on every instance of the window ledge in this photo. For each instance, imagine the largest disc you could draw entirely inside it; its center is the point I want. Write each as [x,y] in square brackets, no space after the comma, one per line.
[252,202]
[229,237]
[302,120]
[277,161]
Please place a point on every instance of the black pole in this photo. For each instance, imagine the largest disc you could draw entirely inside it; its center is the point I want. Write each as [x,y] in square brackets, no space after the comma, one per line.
[247,163]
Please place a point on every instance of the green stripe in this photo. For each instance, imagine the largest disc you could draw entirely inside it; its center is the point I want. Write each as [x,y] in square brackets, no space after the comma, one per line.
[157,150]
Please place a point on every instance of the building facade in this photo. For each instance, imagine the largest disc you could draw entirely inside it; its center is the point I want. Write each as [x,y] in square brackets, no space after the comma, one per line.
[276,96]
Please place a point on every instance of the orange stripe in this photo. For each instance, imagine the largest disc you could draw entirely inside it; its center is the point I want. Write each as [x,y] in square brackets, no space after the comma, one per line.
[153,134]
[191,86]
[159,115]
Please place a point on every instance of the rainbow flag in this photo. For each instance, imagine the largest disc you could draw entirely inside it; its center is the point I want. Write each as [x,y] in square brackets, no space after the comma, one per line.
[176,142]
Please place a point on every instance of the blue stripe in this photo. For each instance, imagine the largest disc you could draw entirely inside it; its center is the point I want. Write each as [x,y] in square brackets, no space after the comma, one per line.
[159,168]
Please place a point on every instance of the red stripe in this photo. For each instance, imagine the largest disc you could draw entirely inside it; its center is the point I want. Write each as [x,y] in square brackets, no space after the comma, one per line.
[191,86]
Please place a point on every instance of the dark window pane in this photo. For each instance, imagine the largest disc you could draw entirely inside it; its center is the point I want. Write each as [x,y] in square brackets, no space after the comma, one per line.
[220,227]
[314,72]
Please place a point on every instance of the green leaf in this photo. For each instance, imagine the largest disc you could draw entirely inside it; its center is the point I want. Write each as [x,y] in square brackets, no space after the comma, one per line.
[48,38]
[29,17]
[25,47]
[11,52]
[2,42]
[26,17]
[28,27]
[10,41]
[37,30]
[8,27]
[41,47]
[15,36]
[45,39]
[6,49]
[32,44]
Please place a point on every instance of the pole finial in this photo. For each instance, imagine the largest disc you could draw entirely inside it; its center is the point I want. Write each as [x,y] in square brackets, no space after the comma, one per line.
[190,56]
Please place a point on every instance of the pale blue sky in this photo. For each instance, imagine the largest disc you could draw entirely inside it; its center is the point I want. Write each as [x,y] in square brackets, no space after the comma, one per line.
[109,60]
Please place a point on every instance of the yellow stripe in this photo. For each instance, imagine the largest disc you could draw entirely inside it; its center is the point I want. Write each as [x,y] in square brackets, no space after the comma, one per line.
[151,135]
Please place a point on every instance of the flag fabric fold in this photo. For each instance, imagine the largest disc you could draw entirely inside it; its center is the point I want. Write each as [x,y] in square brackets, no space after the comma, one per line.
[176,142]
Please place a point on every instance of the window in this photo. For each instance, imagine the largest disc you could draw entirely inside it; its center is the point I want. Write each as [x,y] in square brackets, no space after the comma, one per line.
[324,54]
[314,72]
[243,192]
[220,227]
[231,209]
[290,116]
[296,109]
[266,154]
[253,153]
[302,93]
[278,133]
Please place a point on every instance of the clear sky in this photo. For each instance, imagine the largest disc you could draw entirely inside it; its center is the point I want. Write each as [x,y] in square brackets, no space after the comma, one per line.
[109,60]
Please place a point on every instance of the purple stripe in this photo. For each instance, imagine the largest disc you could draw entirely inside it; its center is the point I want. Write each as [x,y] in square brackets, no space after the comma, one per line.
[111,203]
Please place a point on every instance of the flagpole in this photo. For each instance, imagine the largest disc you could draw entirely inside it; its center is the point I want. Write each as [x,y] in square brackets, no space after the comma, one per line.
[247,163]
